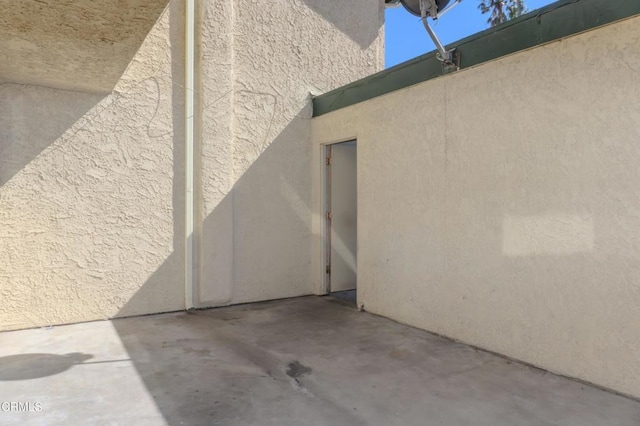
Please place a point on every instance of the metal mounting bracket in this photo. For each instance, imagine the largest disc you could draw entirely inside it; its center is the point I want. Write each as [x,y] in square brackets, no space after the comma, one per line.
[428,8]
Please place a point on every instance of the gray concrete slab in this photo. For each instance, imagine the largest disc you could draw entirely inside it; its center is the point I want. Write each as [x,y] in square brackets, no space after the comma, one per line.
[306,361]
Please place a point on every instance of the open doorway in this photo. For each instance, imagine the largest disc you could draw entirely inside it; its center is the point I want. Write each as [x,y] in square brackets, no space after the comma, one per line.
[342,220]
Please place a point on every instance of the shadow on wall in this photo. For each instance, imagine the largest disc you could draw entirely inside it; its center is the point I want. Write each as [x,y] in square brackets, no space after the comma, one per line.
[348,21]
[88,185]
[272,195]
[28,125]
[92,191]
[164,287]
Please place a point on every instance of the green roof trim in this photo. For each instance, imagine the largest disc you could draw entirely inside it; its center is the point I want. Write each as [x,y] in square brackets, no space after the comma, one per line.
[552,22]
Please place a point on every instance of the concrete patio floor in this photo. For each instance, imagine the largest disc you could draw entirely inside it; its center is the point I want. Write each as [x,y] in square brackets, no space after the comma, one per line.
[304,361]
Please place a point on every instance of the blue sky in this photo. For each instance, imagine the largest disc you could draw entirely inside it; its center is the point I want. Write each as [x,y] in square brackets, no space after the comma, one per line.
[406,38]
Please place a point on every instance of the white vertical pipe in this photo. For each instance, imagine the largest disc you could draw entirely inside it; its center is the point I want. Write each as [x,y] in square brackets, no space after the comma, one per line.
[189,164]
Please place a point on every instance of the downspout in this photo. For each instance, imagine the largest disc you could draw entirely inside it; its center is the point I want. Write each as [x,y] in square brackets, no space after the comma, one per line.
[189,106]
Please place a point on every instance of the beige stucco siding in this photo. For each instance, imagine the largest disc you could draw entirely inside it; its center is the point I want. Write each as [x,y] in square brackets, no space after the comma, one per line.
[92,187]
[500,205]
[256,202]
[90,210]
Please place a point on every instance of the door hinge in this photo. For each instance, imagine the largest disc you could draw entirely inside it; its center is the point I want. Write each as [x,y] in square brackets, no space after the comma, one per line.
[328,269]
[328,161]
[328,215]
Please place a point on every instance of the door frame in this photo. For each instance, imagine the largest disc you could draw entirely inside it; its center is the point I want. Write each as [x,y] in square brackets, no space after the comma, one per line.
[326,207]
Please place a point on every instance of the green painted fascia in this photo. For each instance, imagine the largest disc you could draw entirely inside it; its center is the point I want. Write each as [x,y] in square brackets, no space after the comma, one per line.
[552,22]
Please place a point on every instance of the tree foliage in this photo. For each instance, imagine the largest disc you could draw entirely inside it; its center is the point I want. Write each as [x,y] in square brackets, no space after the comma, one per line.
[502,10]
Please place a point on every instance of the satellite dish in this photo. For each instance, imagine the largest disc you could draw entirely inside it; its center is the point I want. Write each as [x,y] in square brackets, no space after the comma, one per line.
[433,9]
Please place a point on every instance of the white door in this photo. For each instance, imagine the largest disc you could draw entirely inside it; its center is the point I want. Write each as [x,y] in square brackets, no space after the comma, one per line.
[343,216]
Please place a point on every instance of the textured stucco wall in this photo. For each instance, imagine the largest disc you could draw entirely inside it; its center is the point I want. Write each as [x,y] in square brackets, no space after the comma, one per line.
[255,238]
[512,221]
[91,195]
[92,187]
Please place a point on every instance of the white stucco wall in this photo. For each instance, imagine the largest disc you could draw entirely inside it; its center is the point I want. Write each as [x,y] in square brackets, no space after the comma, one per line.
[500,205]
[92,187]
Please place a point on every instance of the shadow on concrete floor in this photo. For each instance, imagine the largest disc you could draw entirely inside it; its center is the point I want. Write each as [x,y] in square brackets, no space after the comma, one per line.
[33,366]
[312,360]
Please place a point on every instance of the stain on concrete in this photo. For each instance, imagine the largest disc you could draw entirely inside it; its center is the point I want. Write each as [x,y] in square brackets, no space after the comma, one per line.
[197,352]
[398,353]
[296,370]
